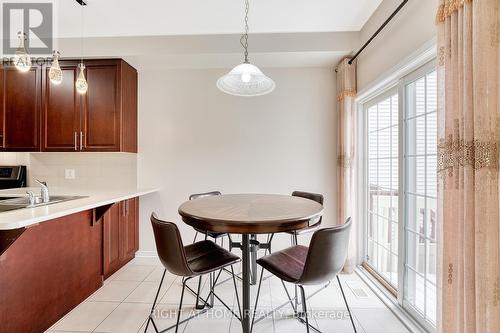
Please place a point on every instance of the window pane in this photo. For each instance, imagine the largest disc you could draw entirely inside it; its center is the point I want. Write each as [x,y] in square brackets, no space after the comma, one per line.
[421,191]
[430,303]
[416,253]
[431,217]
[415,290]
[431,92]
[416,136]
[384,114]
[372,118]
[415,167]
[420,97]
[383,189]
[394,110]
[384,143]
[431,133]
[372,145]
[415,213]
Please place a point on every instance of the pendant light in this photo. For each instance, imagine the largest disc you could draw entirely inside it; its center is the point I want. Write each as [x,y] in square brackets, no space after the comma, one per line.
[246,79]
[22,59]
[81,83]
[55,72]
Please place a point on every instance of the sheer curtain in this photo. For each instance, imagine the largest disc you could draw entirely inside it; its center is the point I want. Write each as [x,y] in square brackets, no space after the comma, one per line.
[346,110]
[468,166]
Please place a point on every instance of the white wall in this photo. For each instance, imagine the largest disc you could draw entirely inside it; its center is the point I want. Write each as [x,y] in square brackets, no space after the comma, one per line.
[193,138]
[411,28]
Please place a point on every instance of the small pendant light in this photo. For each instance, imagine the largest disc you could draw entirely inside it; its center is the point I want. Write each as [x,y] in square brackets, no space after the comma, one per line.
[246,79]
[81,83]
[22,59]
[55,72]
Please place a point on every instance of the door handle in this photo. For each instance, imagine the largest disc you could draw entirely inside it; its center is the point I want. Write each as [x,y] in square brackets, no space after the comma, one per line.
[76,148]
[81,140]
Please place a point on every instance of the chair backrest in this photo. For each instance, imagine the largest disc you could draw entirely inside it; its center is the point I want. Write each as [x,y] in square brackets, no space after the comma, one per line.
[327,254]
[169,246]
[311,196]
[201,195]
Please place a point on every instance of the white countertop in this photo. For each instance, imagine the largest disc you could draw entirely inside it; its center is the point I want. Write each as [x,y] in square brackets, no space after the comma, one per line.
[26,217]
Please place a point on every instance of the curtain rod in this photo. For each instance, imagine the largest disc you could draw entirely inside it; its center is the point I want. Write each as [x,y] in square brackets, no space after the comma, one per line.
[378,30]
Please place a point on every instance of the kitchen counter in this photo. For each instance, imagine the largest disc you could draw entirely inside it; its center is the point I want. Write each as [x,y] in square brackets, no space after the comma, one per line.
[26,217]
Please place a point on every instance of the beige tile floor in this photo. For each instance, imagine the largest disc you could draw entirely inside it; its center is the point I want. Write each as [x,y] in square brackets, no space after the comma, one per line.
[122,305]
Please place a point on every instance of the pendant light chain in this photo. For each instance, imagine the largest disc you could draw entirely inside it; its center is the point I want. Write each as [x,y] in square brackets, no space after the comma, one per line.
[81,30]
[244,37]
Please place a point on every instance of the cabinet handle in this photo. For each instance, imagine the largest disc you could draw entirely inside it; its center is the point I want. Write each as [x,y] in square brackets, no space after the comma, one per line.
[81,140]
[76,148]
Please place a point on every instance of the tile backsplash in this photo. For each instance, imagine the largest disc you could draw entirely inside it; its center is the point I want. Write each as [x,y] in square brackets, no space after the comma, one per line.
[92,170]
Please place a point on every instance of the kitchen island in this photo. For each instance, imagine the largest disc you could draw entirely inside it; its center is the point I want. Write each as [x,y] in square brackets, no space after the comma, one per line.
[52,257]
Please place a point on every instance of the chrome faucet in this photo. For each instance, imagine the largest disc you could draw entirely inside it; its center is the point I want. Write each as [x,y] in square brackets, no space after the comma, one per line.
[31,198]
[44,191]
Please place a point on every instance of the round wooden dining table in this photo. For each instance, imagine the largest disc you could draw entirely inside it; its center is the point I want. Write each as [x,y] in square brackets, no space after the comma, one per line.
[249,215]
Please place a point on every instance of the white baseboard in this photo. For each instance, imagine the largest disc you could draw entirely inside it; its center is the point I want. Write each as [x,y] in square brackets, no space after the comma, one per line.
[146,254]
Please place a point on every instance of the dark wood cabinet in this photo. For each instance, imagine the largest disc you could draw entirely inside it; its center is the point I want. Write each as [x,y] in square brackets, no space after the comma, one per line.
[101,108]
[37,115]
[49,270]
[61,111]
[20,97]
[111,240]
[120,235]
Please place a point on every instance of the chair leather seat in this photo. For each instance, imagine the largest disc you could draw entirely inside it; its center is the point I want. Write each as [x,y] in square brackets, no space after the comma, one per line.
[206,256]
[210,233]
[306,230]
[287,264]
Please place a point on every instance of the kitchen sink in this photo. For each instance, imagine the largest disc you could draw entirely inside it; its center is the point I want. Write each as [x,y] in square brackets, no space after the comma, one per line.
[13,203]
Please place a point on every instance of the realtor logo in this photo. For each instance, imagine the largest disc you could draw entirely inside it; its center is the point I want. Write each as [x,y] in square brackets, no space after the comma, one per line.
[33,19]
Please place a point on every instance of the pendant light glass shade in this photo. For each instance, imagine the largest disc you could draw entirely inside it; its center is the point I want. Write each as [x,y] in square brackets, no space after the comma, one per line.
[246,80]
[55,72]
[22,59]
[81,83]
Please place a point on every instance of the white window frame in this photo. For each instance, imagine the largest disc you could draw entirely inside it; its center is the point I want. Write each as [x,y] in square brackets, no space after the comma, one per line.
[394,79]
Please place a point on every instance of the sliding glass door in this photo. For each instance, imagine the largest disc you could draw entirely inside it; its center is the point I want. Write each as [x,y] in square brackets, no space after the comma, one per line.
[400,188]
[420,194]
[383,180]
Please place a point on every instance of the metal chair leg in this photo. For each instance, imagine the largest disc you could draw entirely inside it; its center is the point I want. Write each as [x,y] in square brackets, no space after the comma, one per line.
[198,306]
[295,310]
[154,303]
[236,291]
[304,306]
[180,304]
[347,305]
[256,300]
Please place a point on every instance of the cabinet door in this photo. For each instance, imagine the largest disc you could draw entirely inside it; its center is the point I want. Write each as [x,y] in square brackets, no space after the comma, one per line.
[101,109]
[61,111]
[21,99]
[128,229]
[111,237]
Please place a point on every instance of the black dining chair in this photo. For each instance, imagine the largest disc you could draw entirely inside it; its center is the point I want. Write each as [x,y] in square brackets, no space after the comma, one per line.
[200,258]
[317,264]
[313,225]
[211,234]
[214,235]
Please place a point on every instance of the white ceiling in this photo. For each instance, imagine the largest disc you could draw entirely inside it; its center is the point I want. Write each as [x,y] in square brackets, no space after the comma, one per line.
[110,18]
[153,34]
